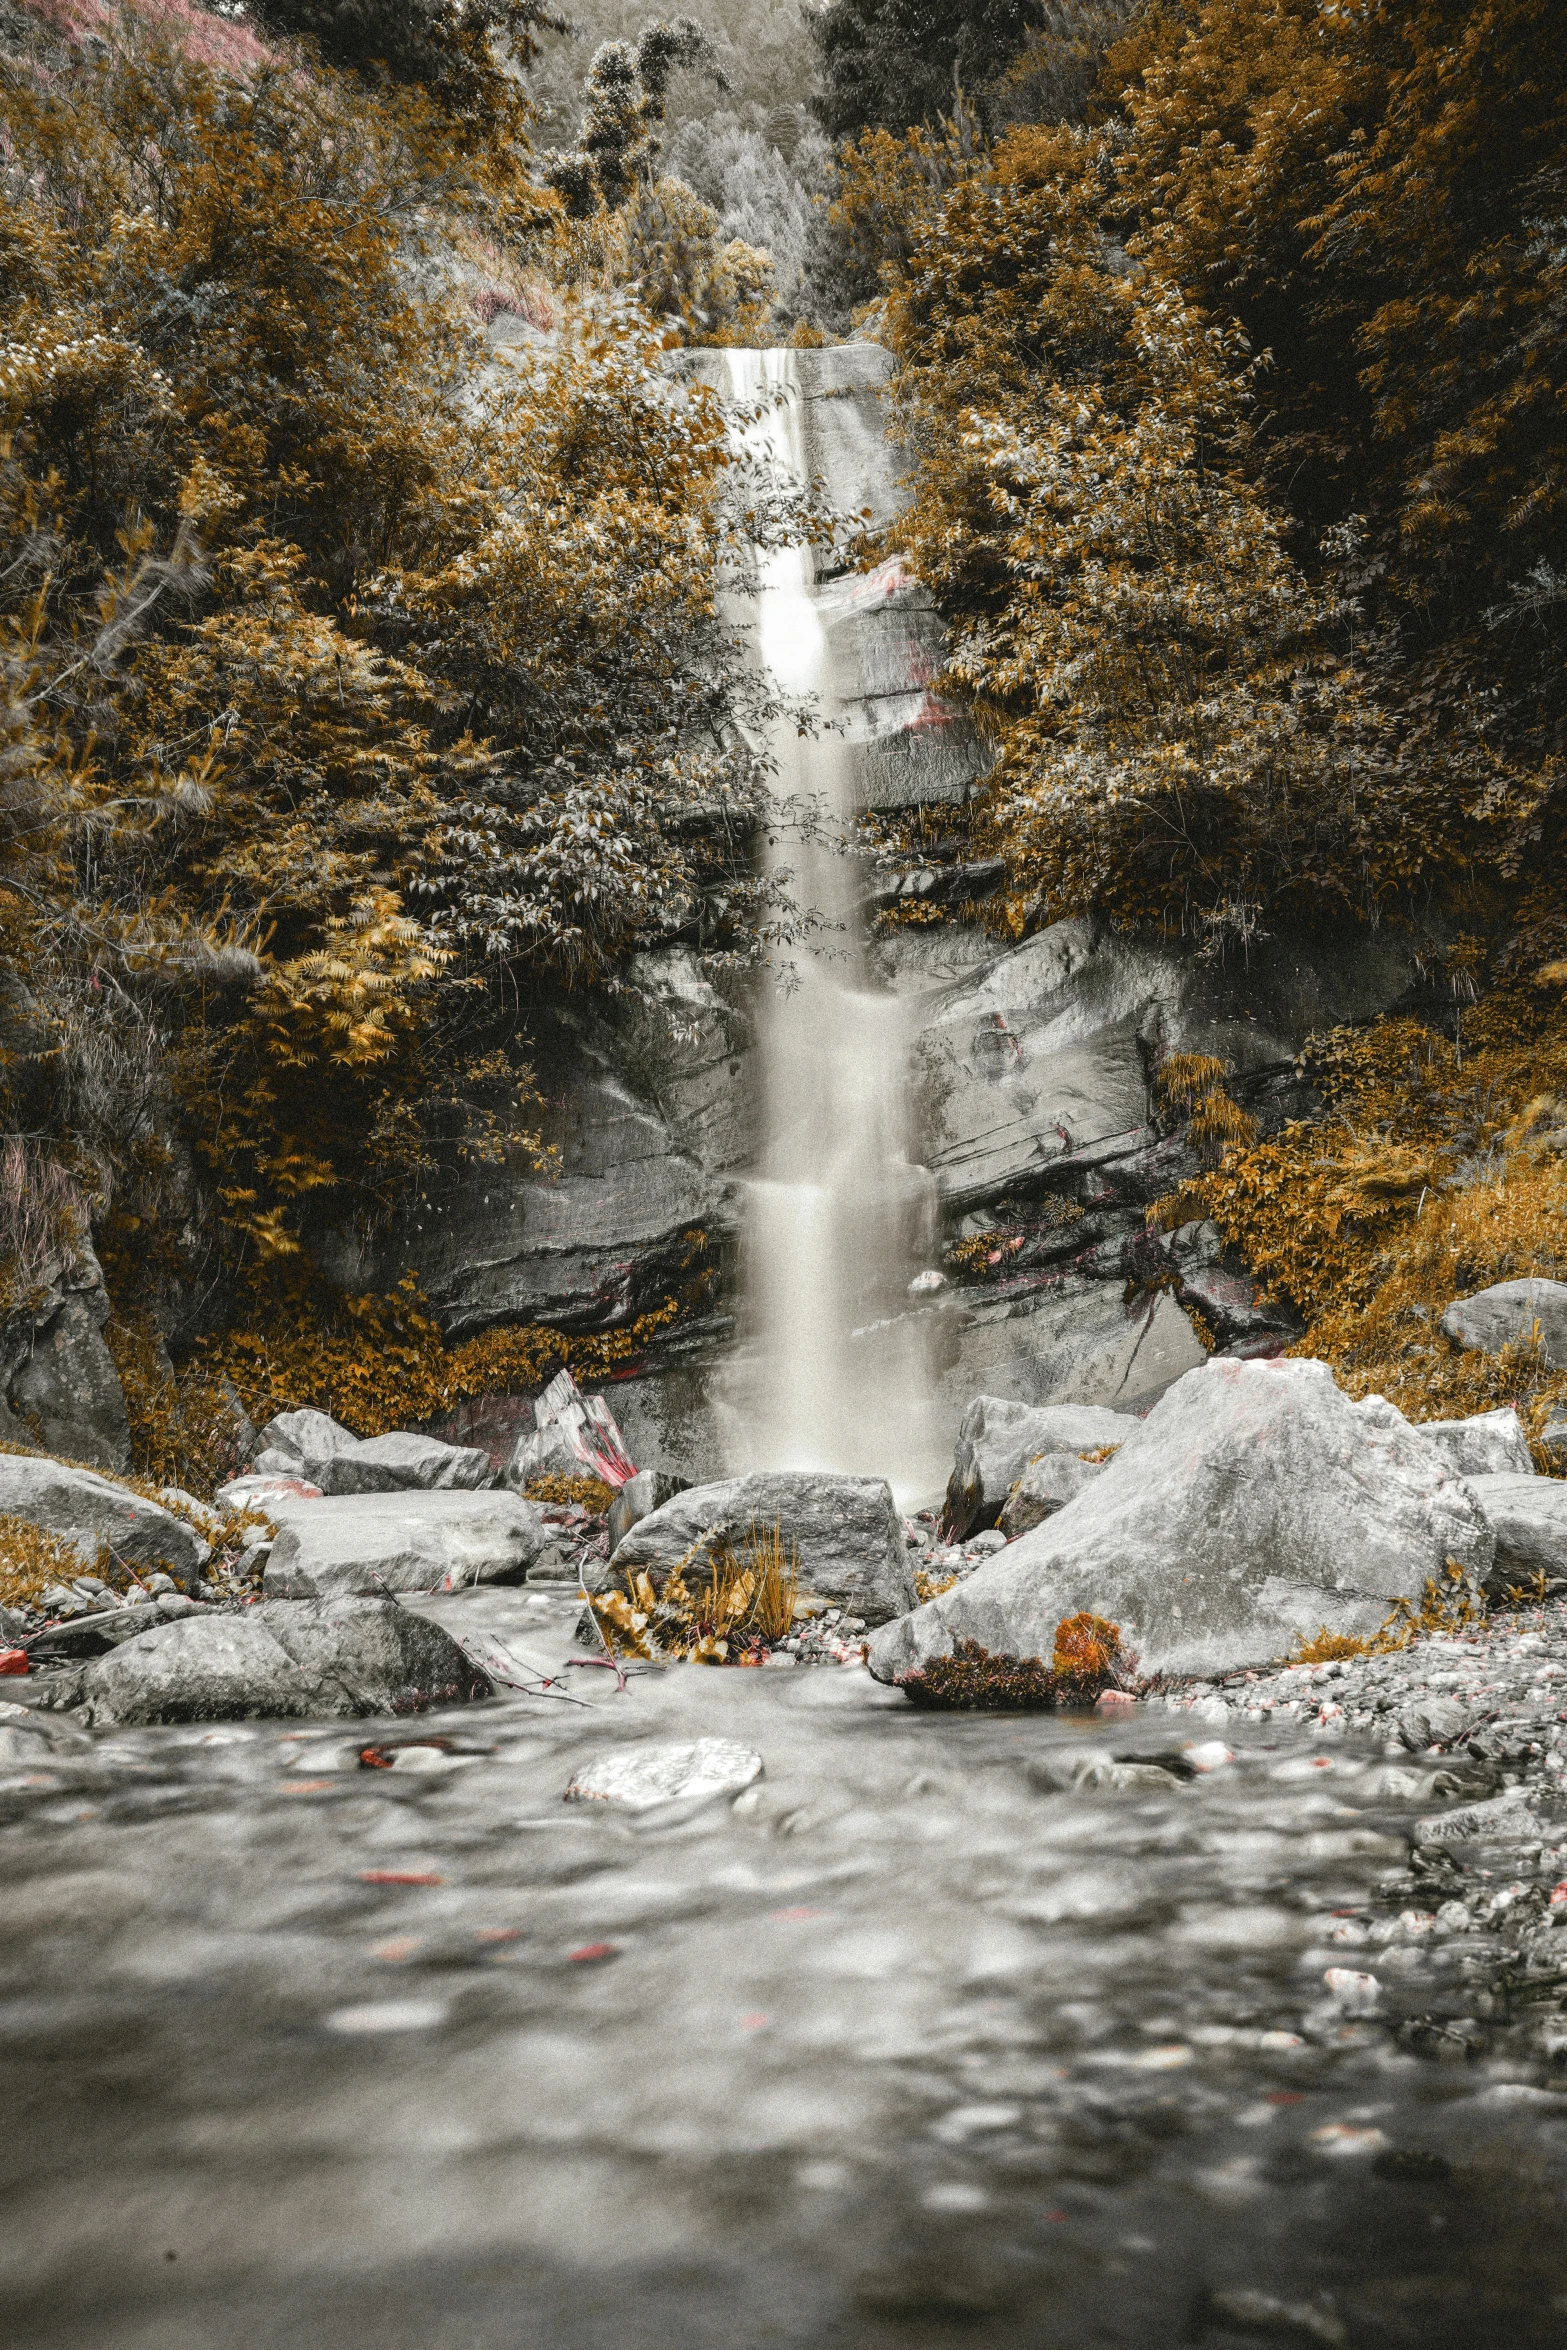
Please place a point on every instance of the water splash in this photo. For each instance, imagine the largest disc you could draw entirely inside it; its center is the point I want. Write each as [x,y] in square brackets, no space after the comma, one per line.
[834,1372]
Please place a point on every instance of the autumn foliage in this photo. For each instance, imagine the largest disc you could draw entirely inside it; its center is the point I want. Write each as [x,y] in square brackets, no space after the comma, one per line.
[1237,410]
[358,681]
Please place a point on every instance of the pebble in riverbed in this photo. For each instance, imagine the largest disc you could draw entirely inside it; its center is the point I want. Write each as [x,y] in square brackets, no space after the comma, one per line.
[938,1565]
[1479,1918]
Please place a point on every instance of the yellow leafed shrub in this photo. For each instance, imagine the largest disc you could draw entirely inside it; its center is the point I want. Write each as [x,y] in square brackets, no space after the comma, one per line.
[1436,1170]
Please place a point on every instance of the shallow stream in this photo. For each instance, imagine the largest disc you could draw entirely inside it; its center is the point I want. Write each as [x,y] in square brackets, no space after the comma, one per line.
[908,2044]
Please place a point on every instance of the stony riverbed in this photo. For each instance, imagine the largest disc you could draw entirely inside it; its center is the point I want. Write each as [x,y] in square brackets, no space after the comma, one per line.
[945,2027]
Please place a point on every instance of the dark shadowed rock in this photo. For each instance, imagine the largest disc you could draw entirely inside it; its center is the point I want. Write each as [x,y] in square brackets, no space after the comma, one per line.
[1255,1504]
[1040,1063]
[845,1530]
[646,1108]
[402,1542]
[1507,1311]
[998,1438]
[1048,1483]
[340,1657]
[95,1635]
[91,1513]
[66,1391]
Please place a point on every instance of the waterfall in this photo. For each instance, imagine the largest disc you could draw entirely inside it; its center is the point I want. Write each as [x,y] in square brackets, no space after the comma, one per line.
[833,1372]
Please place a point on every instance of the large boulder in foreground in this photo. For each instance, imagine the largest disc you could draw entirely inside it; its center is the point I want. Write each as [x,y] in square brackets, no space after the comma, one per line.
[1507,1311]
[339,1657]
[1255,1505]
[846,1532]
[997,1439]
[97,1516]
[402,1542]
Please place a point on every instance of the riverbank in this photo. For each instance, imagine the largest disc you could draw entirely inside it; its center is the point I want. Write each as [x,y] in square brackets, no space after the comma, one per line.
[938,2021]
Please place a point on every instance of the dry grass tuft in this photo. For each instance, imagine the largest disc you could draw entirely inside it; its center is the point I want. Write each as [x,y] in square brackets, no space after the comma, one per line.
[1448,1606]
[43,1222]
[30,1560]
[745,1602]
[930,1585]
[1331,1648]
[1087,1649]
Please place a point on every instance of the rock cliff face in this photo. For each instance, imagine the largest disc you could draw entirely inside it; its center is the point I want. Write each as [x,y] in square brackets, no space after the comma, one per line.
[1031,1068]
[886,638]
[58,1385]
[647,1108]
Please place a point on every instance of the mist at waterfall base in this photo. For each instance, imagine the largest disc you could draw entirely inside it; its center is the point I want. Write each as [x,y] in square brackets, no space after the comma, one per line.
[834,1370]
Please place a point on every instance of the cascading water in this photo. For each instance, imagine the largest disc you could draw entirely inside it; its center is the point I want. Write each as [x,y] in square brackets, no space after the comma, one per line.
[835,1372]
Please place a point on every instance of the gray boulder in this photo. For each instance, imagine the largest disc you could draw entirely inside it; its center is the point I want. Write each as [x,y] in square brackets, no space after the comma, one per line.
[95,1516]
[402,1542]
[299,1444]
[1528,1516]
[1487,1444]
[846,1532]
[339,1657]
[1434,1721]
[29,1736]
[1507,1311]
[404,1463]
[1501,1819]
[998,1438]
[541,1452]
[638,1498]
[1256,1505]
[1048,1483]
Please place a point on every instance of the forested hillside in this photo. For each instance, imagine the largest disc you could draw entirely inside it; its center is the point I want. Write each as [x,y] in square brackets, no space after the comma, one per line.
[1231,357]
[364,681]
[359,682]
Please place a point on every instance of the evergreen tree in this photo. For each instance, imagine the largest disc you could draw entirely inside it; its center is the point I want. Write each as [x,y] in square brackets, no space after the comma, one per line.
[621,132]
[889,63]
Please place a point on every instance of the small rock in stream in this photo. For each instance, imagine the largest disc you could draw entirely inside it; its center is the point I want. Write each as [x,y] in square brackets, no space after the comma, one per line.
[679,1771]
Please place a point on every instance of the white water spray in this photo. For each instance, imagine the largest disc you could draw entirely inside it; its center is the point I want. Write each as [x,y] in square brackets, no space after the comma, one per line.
[834,1373]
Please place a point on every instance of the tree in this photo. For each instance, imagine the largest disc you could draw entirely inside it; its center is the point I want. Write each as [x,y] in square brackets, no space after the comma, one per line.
[889,63]
[762,200]
[620,135]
